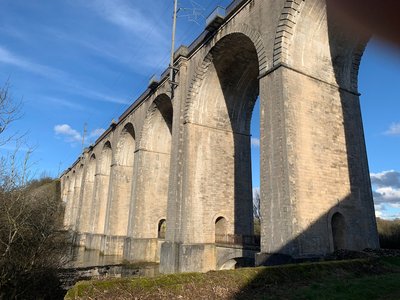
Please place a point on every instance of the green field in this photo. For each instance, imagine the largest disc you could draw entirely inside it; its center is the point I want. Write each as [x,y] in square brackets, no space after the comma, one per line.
[354,279]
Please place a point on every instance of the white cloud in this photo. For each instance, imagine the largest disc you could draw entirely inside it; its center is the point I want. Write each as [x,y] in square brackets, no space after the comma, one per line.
[379,210]
[386,192]
[255,142]
[394,129]
[387,195]
[71,135]
[385,179]
[388,212]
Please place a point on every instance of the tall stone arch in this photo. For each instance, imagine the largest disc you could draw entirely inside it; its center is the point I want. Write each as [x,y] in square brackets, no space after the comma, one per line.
[66,182]
[68,218]
[122,176]
[76,197]
[85,216]
[101,188]
[152,178]
[217,168]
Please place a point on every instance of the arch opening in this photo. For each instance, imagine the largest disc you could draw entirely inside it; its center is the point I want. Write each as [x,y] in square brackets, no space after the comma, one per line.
[154,164]
[122,174]
[68,219]
[338,231]
[102,181]
[77,192]
[221,230]
[88,191]
[126,146]
[162,228]
[219,117]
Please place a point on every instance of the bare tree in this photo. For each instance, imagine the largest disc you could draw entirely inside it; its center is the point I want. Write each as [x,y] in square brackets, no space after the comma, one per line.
[32,247]
[10,111]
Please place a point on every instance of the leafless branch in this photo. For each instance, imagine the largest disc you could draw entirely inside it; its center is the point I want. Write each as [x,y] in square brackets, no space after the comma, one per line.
[10,111]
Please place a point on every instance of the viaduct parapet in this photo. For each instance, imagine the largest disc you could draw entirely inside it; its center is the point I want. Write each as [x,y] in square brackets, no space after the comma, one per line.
[170,181]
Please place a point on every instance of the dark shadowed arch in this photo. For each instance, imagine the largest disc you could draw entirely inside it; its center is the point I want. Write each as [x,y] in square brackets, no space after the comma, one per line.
[162,228]
[218,116]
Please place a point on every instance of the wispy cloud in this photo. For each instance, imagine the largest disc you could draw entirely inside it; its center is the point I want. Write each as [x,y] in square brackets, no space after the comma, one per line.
[128,17]
[11,31]
[10,58]
[255,142]
[143,57]
[99,96]
[394,129]
[65,103]
[61,77]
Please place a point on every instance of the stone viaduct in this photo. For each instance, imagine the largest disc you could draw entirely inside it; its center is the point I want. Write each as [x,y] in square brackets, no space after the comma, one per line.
[171,178]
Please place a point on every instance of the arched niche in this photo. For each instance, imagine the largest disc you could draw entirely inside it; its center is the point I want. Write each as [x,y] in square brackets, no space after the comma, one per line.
[162,228]
[338,226]
[221,230]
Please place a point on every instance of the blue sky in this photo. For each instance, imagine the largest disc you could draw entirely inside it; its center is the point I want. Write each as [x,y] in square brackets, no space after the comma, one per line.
[77,62]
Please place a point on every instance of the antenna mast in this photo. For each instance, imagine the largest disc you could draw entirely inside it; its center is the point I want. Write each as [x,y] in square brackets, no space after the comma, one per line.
[84,135]
[172,69]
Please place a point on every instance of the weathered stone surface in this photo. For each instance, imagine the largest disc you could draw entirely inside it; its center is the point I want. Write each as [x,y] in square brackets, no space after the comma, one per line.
[184,157]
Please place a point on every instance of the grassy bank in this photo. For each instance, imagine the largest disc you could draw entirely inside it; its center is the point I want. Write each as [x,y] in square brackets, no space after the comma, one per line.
[356,279]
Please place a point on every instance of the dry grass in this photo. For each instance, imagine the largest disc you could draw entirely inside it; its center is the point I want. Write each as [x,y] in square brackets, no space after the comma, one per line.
[389,233]
[284,282]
